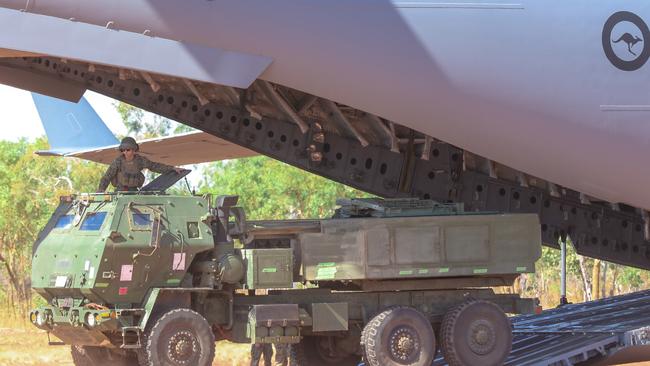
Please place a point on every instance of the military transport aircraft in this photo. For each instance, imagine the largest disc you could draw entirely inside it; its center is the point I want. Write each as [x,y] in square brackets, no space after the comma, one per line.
[513,106]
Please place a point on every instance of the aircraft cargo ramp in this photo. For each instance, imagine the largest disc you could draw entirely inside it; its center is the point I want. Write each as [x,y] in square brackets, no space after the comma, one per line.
[603,332]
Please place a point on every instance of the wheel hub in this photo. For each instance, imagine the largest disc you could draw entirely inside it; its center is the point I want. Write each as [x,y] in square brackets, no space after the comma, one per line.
[182,348]
[404,345]
[481,337]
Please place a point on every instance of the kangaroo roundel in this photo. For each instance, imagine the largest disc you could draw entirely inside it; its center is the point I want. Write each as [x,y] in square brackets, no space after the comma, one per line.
[624,41]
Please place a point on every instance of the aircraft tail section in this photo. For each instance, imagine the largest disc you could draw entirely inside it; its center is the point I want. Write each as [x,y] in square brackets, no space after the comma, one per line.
[71,127]
[75,130]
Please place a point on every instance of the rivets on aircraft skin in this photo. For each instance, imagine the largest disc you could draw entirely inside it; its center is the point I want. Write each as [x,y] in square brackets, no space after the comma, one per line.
[449,183]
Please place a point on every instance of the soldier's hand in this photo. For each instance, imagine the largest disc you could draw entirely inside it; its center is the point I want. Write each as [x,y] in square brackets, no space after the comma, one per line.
[179,170]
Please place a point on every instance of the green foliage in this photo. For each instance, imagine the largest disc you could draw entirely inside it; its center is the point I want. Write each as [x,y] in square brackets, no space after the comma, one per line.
[30,187]
[139,127]
[181,128]
[545,284]
[269,189]
[131,116]
[632,278]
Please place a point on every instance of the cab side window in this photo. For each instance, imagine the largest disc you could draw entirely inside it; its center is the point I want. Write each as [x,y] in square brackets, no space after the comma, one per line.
[193,230]
[141,219]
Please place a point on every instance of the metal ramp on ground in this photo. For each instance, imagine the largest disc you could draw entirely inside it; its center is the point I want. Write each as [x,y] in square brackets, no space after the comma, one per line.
[603,332]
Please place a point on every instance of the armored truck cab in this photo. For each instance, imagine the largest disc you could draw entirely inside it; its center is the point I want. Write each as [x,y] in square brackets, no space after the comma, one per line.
[112,249]
[155,279]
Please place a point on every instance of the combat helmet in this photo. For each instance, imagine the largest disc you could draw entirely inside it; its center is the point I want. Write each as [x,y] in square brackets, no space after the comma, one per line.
[129,143]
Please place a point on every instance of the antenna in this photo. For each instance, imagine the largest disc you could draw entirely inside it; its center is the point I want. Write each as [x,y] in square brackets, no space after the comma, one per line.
[188,186]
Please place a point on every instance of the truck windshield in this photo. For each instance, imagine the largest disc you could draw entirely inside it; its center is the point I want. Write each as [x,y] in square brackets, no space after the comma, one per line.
[64,222]
[93,221]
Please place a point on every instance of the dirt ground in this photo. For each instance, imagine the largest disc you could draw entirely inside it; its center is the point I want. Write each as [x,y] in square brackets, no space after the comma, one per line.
[20,347]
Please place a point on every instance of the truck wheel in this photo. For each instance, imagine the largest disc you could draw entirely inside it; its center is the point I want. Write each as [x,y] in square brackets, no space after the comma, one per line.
[476,332]
[320,351]
[399,336]
[101,356]
[180,337]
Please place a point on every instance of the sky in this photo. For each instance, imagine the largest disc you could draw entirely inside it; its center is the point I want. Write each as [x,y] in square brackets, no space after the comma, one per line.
[18,116]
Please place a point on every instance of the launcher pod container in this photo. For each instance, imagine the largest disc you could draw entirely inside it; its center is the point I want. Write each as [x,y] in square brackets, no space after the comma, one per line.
[156,279]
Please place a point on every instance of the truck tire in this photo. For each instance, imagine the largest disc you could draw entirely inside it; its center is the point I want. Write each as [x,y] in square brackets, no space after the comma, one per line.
[398,336]
[180,337]
[101,356]
[477,332]
[310,352]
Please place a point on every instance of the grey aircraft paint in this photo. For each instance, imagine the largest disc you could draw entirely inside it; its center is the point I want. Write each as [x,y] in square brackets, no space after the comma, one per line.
[526,83]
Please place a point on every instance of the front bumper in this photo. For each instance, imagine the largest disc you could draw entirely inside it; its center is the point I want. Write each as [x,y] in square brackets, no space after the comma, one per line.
[85,326]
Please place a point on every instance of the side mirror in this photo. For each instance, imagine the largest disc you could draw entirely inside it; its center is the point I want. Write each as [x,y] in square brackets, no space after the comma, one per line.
[223,207]
[239,227]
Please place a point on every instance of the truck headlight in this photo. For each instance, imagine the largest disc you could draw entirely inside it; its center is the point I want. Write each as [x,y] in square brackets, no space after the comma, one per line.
[32,317]
[90,320]
[40,319]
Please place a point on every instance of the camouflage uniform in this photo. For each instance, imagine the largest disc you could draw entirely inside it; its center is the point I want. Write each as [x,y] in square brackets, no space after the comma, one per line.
[259,349]
[265,349]
[281,354]
[127,175]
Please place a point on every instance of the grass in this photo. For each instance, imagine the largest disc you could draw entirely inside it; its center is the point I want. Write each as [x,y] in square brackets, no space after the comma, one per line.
[21,344]
[27,346]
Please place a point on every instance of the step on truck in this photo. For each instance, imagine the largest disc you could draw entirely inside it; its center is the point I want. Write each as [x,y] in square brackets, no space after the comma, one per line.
[156,279]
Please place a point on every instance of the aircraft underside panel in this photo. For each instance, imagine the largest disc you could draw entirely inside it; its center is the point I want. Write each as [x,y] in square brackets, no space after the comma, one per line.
[42,84]
[431,169]
[102,45]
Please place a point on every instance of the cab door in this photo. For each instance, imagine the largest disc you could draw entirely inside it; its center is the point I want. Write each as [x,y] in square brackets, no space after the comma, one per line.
[144,259]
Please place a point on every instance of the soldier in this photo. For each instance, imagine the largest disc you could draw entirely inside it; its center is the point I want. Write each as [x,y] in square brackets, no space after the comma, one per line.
[281,354]
[125,172]
[259,349]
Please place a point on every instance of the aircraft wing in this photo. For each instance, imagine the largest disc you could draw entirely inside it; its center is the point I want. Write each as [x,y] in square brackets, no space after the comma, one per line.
[75,129]
[188,148]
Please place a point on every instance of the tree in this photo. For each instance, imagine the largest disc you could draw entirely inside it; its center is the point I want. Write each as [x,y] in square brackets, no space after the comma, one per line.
[131,116]
[269,189]
[30,187]
[141,125]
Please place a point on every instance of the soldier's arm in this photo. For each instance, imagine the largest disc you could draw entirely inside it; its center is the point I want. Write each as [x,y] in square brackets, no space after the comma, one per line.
[106,178]
[156,167]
